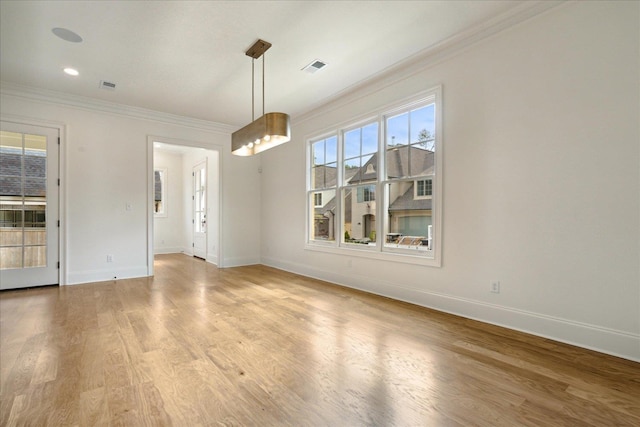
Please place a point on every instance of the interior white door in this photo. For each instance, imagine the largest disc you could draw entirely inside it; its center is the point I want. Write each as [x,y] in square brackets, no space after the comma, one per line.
[200,210]
[29,193]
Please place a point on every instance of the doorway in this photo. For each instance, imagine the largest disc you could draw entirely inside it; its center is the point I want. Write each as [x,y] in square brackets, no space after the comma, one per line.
[185,223]
[29,205]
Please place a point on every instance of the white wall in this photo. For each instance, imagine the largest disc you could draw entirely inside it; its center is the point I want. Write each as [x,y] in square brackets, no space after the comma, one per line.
[167,229]
[541,181]
[105,153]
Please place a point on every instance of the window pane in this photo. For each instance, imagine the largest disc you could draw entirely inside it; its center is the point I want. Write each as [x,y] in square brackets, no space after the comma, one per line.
[351,168]
[331,145]
[35,256]
[423,124]
[36,144]
[10,257]
[35,237]
[398,162]
[322,206]
[35,187]
[318,153]
[398,130]
[352,143]
[410,224]
[35,156]
[318,177]
[360,214]
[10,237]
[370,139]
[11,161]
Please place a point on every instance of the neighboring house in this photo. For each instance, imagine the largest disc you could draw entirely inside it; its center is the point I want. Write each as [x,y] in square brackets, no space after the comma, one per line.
[410,202]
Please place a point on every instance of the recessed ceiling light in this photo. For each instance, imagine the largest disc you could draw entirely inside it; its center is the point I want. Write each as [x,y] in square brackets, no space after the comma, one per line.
[71,71]
[67,35]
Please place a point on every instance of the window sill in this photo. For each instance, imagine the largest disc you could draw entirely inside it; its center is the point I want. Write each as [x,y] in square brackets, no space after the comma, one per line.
[426,259]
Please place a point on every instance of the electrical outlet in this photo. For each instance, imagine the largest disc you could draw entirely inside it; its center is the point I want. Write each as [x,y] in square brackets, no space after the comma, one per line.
[495,287]
[109,258]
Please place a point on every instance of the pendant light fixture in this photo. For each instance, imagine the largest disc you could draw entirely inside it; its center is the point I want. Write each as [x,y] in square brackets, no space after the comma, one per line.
[270,129]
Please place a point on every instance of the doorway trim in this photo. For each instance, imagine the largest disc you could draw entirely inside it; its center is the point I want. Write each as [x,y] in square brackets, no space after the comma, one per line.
[62,188]
[150,191]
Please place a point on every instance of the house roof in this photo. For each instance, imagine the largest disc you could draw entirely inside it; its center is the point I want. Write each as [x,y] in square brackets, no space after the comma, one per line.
[401,162]
[408,202]
[35,171]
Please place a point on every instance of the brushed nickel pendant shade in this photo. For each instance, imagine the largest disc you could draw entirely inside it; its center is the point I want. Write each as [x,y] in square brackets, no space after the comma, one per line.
[267,131]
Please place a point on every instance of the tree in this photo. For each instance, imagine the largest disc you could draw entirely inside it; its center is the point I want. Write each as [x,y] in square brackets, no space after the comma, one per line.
[426,139]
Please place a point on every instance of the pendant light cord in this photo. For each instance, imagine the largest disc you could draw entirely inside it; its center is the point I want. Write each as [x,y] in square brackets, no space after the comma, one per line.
[253,84]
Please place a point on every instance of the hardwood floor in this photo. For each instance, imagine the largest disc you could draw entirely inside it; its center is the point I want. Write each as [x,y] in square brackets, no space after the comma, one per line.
[196,345]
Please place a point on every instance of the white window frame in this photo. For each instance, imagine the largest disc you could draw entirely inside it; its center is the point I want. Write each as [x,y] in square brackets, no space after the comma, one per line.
[380,251]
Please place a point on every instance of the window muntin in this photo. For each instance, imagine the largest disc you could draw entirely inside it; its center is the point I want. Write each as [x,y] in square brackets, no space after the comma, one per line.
[400,188]
[324,157]
[323,178]
[360,145]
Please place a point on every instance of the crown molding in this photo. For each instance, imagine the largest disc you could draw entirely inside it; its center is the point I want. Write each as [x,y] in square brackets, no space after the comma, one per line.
[89,104]
[430,56]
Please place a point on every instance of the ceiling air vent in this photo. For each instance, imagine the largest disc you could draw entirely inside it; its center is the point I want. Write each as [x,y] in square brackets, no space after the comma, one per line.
[315,65]
[107,85]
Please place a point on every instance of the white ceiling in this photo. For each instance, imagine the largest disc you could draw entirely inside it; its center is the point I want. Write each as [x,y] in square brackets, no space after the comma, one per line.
[188,57]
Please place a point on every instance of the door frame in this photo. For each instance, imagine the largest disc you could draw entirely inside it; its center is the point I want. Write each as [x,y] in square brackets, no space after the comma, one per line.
[62,188]
[150,192]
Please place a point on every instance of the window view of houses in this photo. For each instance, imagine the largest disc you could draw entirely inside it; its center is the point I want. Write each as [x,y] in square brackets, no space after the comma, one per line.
[405,183]
[23,171]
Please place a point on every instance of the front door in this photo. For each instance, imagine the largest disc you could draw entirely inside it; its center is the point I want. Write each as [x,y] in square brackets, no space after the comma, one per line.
[200,210]
[28,205]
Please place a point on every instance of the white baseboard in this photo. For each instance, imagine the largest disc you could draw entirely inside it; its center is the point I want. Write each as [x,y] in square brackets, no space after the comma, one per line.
[616,343]
[88,276]
[239,262]
[157,251]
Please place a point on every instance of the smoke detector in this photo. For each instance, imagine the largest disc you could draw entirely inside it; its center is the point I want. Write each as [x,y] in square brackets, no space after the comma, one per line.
[314,66]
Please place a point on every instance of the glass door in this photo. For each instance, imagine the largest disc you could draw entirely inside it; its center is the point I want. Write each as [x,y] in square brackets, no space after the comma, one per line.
[200,210]
[28,206]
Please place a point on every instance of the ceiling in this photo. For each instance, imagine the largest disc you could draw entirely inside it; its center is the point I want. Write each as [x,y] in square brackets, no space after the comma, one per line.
[188,57]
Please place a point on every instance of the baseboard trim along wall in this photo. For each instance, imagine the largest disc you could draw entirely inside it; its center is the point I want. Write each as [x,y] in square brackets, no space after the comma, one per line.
[160,251]
[88,276]
[592,337]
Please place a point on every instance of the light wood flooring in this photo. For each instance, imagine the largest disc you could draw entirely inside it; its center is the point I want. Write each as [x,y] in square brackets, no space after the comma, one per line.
[196,345]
